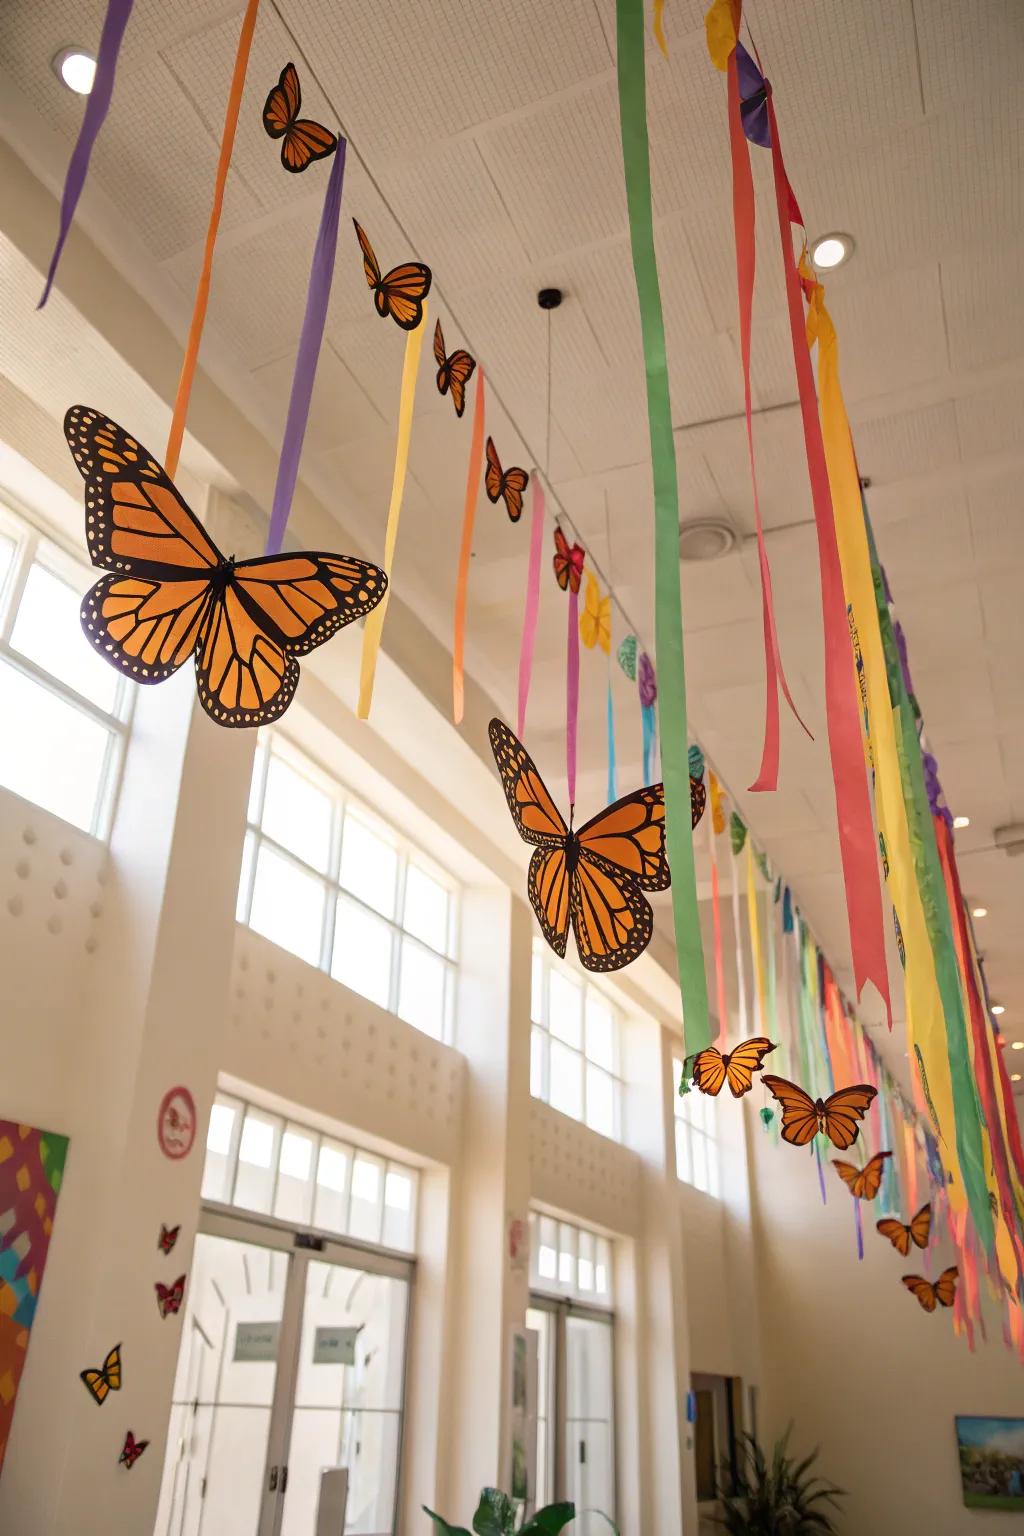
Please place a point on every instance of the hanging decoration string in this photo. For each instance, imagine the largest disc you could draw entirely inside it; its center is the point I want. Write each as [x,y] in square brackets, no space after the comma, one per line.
[374,627]
[737,922]
[476,459]
[613,793]
[532,606]
[632,84]
[761,1019]
[318,294]
[195,332]
[97,105]
[572,691]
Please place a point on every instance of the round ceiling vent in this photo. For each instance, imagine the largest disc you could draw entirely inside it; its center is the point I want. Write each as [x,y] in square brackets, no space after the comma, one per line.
[706,539]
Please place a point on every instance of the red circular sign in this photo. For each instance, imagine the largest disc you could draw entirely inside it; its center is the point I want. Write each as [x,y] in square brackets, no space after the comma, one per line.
[176,1123]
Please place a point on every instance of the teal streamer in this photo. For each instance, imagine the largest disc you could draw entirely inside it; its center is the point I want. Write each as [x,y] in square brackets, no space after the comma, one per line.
[647,723]
[613,793]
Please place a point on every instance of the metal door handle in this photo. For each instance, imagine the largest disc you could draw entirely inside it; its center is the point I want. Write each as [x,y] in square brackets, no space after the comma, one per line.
[284,1478]
[272,1484]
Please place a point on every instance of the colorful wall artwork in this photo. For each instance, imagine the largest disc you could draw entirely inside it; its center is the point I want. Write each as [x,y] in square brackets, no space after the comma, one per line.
[31,1170]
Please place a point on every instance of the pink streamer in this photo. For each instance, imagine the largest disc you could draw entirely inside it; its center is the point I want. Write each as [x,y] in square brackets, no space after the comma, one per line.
[532,602]
[572,693]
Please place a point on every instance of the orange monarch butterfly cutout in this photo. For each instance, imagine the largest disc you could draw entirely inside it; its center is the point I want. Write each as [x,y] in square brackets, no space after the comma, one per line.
[942,1293]
[106,1379]
[593,878]
[863,1183]
[836,1116]
[171,593]
[304,140]
[901,1234]
[453,373]
[505,484]
[401,292]
[568,563]
[712,1070]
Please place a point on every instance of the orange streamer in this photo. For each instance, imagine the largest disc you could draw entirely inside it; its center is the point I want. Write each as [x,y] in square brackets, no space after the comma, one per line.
[195,331]
[476,460]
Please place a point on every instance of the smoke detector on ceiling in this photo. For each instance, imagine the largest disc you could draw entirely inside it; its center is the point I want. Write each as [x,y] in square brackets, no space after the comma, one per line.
[706,538]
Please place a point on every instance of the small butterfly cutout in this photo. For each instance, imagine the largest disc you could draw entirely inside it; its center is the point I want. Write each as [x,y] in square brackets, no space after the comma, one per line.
[505,485]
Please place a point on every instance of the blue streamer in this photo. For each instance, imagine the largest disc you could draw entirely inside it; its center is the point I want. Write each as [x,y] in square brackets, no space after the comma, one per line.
[613,793]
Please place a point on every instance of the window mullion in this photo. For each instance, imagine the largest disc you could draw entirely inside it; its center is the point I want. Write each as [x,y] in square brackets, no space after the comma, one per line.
[50,680]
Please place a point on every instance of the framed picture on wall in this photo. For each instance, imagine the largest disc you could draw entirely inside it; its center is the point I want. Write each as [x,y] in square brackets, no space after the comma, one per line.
[991,1462]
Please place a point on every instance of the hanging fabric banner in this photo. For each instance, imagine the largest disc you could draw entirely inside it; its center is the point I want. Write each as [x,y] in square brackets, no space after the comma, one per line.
[318,296]
[476,459]
[202,298]
[572,691]
[712,822]
[532,606]
[857,841]
[97,105]
[668,613]
[374,624]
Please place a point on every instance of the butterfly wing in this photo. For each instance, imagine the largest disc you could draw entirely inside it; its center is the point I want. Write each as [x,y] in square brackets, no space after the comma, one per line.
[132,1450]
[440,357]
[561,559]
[698,800]
[401,294]
[897,1233]
[921,1226]
[460,368]
[611,918]
[630,834]
[871,1178]
[112,1368]
[493,477]
[709,1072]
[744,1061]
[537,818]
[576,558]
[168,1238]
[97,1384]
[305,142]
[371,266]
[146,628]
[851,1175]
[843,1111]
[945,1286]
[282,105]
[514,484]
[163,1293]
[799,1116]
[548,887]
[918,1286]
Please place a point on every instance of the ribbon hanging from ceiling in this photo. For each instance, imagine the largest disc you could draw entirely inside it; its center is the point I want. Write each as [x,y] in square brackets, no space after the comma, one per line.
[374,626]
[632,83]
[476,459]
[318,294]
[715,825]
[202,298]
[572,690]
[532,606]
[97,105]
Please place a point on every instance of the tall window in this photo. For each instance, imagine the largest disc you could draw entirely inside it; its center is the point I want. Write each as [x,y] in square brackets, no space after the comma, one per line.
[64,709]
[267,1164]
[329,881]
[574,1047]
[696,1147]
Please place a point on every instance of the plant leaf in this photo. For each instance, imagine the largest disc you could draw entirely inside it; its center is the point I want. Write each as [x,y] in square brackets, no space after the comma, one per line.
[442,1525]
[495,1514]
[550,1520]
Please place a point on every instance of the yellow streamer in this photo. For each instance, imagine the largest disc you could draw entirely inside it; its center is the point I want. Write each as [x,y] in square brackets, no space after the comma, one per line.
[374,627]
[659,26]
[755,941]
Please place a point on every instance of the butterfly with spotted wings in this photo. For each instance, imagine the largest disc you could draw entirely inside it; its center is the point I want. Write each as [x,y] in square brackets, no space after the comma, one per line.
[836,1117]
[712,1068]
[902,1233]
[399,293]
[863,1183]
[303,140]
[942,1293]
[453,372]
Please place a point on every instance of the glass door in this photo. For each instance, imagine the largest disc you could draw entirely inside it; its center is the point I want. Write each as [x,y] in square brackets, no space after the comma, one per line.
[575,1409]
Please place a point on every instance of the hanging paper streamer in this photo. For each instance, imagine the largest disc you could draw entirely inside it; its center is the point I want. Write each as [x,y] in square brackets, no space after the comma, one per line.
[857,842]
[737,928]
[97,104]
[613,793]
[476,459]
[199,306]
[648,690]
[860,1229]
[530,611]
[321,275]
[668,612]
[374,626]
[659,26]
[572,690]
[716,913]
[761,1021]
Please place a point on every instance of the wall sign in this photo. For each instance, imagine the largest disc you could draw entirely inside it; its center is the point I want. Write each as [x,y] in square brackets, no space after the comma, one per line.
[176,1123]
[256,1341]
[335,1346]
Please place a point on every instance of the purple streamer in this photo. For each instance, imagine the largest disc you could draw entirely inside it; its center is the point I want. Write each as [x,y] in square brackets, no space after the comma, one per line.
[821,1172]
[317,298]
[96,107]
[860,1229]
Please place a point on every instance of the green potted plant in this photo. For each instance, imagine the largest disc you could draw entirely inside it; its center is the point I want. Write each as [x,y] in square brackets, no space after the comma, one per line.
[497,1515]
[779,1497]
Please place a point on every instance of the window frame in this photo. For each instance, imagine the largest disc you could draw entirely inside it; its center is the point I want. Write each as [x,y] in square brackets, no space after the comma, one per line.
[684,1108]
[37,544]
[276,743]
[545,965]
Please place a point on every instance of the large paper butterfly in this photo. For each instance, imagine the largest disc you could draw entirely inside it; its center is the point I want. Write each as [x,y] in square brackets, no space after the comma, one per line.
[105,1380]
[304,140]
[401,292]
[170,1297]
[133,1449]
[901,1234]
[168,1237]
[505,484]
[943,1292]
[863,1183]
[173,595]
[453,373]
[568,562]
[837,1116]
[712,1069]
[595,877]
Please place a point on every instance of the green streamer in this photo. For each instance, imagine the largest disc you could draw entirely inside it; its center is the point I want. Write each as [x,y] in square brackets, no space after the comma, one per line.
[668,602]
[932,886]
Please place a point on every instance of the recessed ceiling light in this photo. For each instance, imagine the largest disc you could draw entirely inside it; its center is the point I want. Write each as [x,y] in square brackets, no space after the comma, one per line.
[1014,1077]
[997,1009]
[961,821]
[76,68]
[979,911]
[830,251]
[1017,1045]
